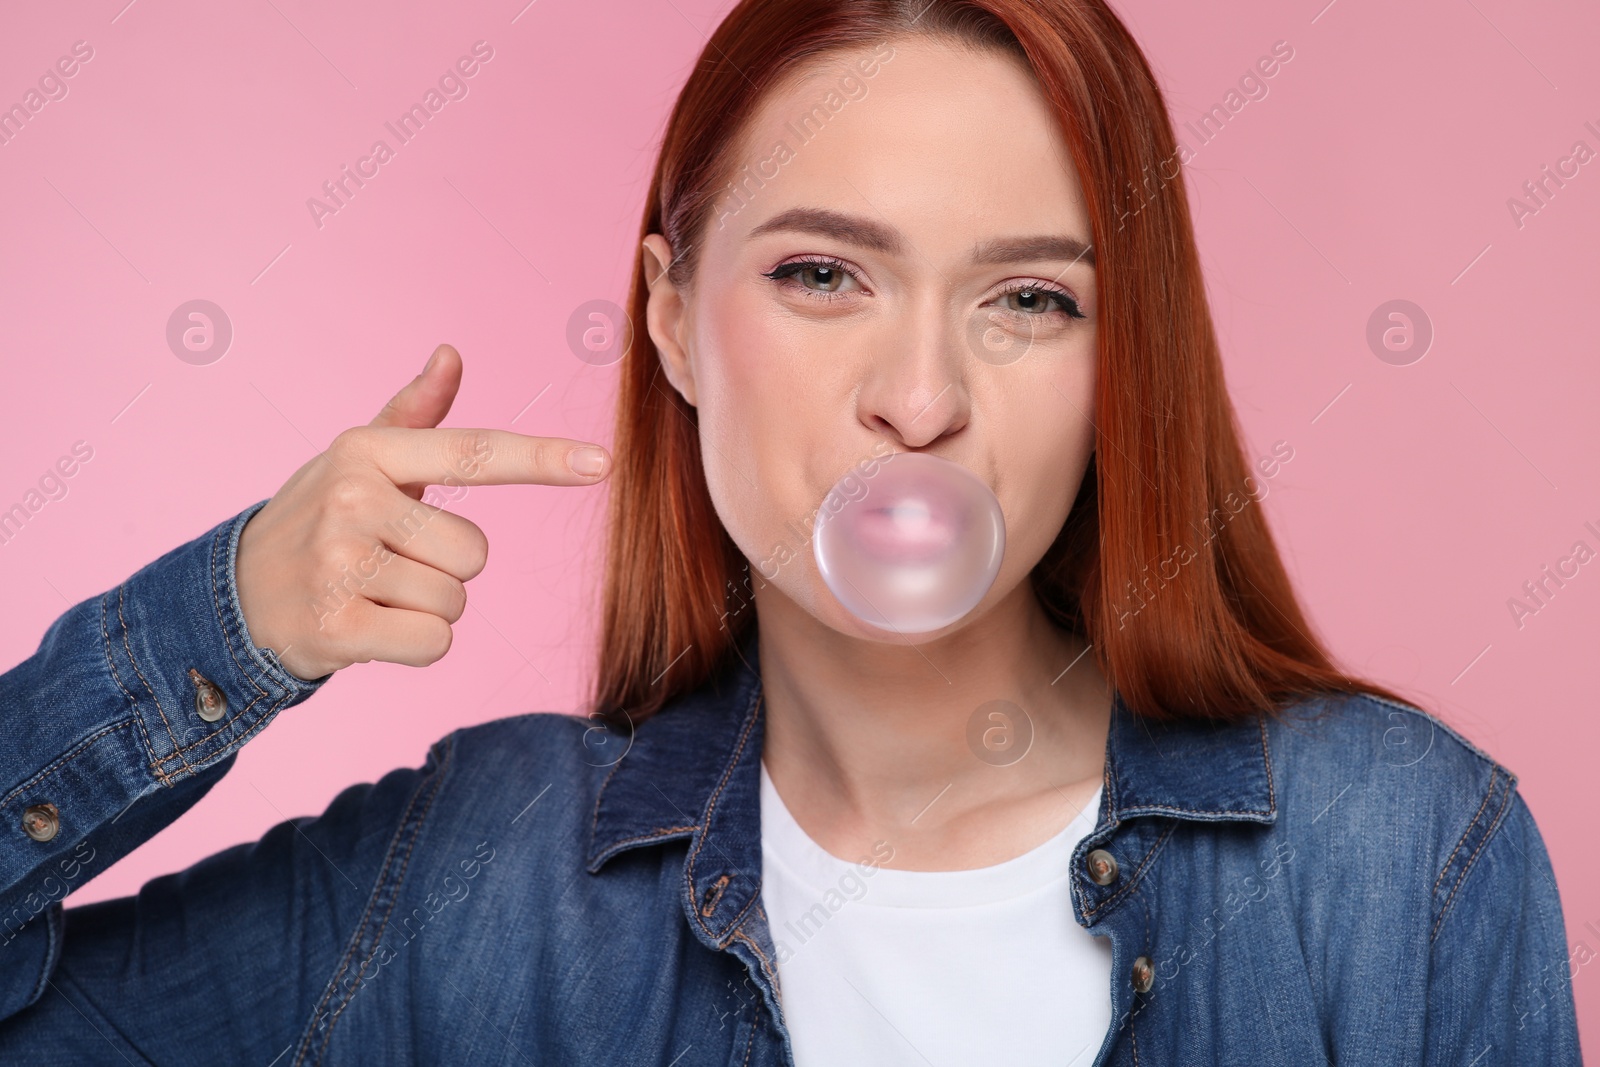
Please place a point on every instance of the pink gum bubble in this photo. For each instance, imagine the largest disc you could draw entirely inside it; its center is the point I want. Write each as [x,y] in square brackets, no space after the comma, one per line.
[917,549]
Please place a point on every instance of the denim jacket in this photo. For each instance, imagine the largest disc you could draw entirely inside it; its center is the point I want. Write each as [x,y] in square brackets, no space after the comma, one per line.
[1347,882]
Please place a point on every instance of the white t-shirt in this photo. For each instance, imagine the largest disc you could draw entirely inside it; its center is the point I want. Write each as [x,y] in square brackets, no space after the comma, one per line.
[883,967]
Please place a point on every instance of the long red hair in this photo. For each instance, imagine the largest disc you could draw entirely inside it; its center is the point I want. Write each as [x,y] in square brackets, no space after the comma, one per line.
[1165,564]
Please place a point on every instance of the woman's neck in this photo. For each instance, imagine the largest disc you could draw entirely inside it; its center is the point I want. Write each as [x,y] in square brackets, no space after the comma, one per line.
[868,741]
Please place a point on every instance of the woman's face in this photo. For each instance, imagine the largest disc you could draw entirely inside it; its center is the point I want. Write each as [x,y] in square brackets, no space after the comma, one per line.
[901,267]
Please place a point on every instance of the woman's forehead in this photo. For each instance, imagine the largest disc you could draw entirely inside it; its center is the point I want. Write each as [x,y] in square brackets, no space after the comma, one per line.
[934,139]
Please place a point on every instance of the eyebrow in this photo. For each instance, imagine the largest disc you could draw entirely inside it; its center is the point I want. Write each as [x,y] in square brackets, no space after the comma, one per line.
[870,234]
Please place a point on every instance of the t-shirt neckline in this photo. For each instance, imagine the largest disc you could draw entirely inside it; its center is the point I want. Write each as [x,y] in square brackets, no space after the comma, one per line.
[786,842]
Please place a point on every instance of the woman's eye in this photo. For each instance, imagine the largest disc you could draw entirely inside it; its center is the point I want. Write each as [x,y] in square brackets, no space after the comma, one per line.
[822,280]
[1036,300]
[828,279]
[825,278]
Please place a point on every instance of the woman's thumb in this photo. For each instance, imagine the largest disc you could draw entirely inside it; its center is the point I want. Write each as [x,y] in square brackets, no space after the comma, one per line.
[426,399]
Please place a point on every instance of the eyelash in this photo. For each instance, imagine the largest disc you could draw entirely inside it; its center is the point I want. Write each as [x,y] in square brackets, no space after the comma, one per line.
[784,271]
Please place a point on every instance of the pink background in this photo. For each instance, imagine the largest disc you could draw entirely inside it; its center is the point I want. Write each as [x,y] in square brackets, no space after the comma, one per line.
[1378,167]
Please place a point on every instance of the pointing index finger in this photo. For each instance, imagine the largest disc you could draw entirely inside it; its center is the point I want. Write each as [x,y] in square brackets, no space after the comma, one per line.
[465,456]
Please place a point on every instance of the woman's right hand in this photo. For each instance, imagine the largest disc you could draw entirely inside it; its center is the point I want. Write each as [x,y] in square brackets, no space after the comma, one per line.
[345,564]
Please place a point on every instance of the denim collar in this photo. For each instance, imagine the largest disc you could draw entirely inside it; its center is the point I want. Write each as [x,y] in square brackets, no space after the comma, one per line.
[693,771]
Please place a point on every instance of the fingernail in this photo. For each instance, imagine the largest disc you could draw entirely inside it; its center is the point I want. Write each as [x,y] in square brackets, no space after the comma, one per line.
[586,461]
[428,366]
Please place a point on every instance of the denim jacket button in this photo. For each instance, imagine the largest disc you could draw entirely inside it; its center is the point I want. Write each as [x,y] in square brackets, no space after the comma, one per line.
[209,703]
[41,821]
[1144,975]
[1102,867]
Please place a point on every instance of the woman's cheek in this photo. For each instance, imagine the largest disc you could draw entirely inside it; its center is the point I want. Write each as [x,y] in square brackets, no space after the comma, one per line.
[745,440]
[1043,485]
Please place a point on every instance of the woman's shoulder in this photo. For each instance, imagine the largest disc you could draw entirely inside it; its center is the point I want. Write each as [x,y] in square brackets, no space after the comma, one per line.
[1364,742]
[535,774]
[536,734]
[1417,863]
[1360,735]
[567,750]
[1395,793]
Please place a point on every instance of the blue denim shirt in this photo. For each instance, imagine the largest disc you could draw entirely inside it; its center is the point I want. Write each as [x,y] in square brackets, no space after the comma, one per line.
[1350,882]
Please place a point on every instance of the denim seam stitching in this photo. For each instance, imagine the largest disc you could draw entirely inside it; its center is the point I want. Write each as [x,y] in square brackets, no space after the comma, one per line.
[51,950]
[233,654]
[1493,778]
[1110,784]
[750,1042]
[415,829]
[766,964]
[1272,793]
[777,977]
[766,967]
[1266,761]
[228,748]
[1109,804]
[1133,1030]
[60,762]
[1444,908]
[710,809]
[710,904]
[1488,835]
[133,701]
[228,639]
[350,950]
[666,831]
[594,823]
[230,636]
[127,646]
[1133,880]
[356,936]
[1200,811]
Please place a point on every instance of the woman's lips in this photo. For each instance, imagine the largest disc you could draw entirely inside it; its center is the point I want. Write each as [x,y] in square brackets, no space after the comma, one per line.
[910,530]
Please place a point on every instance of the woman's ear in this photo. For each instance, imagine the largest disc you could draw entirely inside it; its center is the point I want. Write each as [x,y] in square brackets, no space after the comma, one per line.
[665,317]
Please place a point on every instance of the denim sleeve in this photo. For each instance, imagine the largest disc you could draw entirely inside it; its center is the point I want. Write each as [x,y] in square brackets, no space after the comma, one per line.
[107,740]
[249,956]
[1500,985]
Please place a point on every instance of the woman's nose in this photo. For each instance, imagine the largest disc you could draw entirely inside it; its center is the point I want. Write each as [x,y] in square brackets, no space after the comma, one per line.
[915,387]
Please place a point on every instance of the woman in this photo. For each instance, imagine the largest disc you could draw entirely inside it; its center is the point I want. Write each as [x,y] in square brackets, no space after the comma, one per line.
[1124,811]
